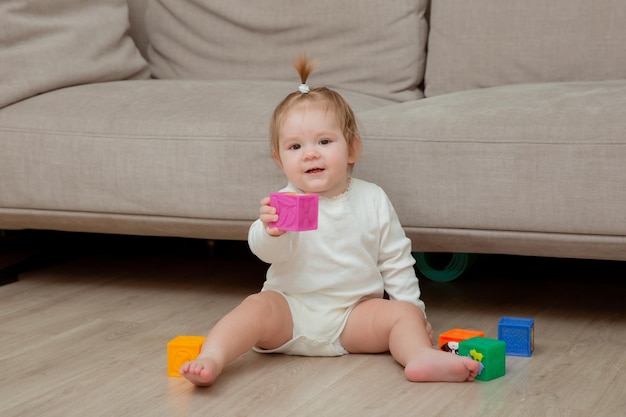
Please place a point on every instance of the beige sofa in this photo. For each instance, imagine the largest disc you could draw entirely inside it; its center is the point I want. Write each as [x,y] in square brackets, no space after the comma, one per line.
[495,126]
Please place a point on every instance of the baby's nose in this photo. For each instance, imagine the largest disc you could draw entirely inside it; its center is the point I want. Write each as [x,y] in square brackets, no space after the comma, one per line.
[311,153]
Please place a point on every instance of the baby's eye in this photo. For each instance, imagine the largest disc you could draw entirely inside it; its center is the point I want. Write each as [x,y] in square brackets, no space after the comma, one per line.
[324,141]
[294,147]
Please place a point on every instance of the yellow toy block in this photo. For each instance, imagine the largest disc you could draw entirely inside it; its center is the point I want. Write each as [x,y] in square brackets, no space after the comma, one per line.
[182,349]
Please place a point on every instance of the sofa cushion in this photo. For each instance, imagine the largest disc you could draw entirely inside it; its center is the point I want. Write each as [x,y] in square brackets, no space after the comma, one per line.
[486,43]
[134,150]
[45,45]
[368,46]
[534,158]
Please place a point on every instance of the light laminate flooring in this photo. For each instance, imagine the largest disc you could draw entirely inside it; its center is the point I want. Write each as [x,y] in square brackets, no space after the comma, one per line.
[86,336]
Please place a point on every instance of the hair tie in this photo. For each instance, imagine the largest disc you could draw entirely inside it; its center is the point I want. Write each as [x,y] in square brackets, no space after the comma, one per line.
[303,88]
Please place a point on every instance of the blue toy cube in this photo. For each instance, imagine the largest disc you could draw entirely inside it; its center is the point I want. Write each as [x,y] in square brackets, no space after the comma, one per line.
[489,352]
[518,334]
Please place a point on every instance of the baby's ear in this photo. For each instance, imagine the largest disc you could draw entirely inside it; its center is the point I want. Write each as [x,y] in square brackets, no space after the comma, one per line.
[276,158]
[355,150]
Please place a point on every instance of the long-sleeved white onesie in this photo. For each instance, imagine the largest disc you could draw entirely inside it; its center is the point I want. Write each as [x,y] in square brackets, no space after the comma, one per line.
[358,252]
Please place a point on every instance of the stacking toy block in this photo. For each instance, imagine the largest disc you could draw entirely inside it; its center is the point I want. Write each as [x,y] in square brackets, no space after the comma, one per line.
[296,212]
[182,349]
[449,341]
[518,334]
[490,352]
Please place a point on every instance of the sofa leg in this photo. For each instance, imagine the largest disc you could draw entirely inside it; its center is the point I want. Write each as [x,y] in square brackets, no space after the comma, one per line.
[18,255]
[11,261]
[9,272]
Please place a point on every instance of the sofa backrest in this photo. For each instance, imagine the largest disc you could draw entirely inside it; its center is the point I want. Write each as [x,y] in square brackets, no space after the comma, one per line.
[137,16]
[47,45]
[369,46]
[471,44]
[486,43]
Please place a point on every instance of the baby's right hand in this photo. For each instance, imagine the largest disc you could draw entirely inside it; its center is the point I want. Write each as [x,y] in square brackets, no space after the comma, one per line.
[267,215]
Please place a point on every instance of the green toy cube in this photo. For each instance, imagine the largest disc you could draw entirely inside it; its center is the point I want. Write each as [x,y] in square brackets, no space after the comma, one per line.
[490,352]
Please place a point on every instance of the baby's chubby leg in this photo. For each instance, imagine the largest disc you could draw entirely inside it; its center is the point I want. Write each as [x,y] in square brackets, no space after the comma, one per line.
[380,325]
[262,319]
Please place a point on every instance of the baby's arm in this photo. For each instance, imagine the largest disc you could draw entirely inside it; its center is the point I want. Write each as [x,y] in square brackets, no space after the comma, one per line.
[269,244]
[395,261]
[396,264]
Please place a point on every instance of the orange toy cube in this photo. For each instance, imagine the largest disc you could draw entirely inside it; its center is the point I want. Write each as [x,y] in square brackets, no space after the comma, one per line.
[455,336]
[182,349]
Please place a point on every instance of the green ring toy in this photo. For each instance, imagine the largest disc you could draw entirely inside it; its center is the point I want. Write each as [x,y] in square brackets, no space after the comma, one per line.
[443,267]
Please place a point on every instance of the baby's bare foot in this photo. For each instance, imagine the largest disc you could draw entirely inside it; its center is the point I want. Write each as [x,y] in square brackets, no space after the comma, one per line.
[201,372]
[431,365]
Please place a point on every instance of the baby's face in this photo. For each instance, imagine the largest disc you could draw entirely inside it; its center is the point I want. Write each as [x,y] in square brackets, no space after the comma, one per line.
[313,152]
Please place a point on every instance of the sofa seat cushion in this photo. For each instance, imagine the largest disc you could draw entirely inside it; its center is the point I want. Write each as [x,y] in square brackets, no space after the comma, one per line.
[183,148]
[533,158]
[45,45]
[369,46]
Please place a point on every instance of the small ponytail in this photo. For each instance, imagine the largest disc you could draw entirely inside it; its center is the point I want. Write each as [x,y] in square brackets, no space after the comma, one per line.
[304,68]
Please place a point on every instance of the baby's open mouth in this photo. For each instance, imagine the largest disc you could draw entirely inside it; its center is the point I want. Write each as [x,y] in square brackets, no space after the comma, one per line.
[314,170]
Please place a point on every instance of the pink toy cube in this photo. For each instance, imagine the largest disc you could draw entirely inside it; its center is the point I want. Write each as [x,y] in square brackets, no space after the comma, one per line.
[296,212]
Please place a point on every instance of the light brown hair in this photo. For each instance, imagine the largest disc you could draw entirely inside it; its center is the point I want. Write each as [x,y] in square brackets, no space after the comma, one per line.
[333,100]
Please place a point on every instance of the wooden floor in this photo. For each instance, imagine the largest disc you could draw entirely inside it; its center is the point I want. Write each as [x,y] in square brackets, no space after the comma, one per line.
[86,336]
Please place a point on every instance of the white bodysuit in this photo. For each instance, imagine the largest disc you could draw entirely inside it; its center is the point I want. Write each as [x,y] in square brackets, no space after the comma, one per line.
[358,252]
